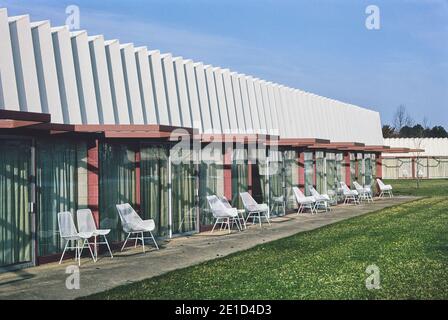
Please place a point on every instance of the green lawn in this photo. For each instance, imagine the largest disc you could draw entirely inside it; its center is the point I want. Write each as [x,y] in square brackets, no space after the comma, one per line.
[409,244]
[436,187]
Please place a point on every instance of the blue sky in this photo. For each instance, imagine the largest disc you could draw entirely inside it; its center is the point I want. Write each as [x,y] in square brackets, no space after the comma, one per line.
[321,46]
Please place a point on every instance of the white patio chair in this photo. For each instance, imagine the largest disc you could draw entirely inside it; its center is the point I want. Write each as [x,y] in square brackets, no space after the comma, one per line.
[226,217]
[303,201]
[365,193]
[322,200]
[253,209]
[86,224]
[241,219]
[68,232]
[133,224]
[384,188]
[349,195]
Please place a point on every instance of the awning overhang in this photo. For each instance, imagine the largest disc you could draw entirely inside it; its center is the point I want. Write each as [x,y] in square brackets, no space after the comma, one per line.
[41,122]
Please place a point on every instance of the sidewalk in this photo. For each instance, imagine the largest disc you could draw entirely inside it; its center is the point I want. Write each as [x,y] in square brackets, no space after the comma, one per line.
[48,281]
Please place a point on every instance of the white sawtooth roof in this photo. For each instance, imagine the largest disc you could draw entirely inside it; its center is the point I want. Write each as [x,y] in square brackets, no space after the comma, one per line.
[82,79]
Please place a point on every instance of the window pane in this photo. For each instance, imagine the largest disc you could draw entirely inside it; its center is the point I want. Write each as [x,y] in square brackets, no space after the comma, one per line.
[154,187]
[61,174]
[183,182]
[117,185]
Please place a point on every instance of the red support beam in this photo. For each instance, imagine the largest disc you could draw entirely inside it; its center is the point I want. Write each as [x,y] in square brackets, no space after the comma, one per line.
[379,166]
[228,172]
[249,176]
[93,179]
[301,162]
[346,164]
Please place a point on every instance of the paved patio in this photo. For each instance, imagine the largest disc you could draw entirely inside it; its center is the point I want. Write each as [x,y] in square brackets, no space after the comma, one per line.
[48,281]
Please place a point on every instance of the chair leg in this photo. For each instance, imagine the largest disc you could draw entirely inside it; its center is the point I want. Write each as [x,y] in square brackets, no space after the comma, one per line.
[79,249]
[259,218]
[157,246]
[236,221]
[143,242]
[95,248]
[216,222]
[124,244]
[108,247]
[90,249]
[63,252]
[267,218]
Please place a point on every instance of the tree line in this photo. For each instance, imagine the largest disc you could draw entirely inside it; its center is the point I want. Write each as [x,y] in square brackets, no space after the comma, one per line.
[405,127]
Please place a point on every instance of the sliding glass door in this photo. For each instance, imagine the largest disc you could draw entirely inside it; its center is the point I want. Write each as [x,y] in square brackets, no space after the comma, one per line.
[291,169]
[117,185]
[239,176]
[309,171]
[183,193]
[320,172]
[361,169]
[353,172]
[15,218]
[211,181]
[154,181]
[61,185]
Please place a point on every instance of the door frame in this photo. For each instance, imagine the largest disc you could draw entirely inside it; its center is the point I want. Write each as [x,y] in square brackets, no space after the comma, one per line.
[31,204]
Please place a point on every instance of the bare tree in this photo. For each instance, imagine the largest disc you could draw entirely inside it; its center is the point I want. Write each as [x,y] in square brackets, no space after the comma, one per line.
[425,123]
[402,118]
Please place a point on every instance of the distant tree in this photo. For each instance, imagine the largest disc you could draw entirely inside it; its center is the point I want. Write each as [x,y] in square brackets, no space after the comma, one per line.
[388,131]
[402,118]
[404,127]
[406,132]
[438,132]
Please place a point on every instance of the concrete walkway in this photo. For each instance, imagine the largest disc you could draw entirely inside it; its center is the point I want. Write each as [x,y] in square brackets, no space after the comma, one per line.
[48,281]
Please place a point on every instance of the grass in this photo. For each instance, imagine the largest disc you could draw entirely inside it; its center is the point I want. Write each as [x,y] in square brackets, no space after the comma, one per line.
[408,243]
[435,187]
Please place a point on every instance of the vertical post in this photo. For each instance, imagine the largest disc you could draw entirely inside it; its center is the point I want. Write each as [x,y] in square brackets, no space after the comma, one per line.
[346,164]
[170,211]
[196,157]
[301,162]
[379,166]
[363,170]
[93,178]
[249,176]
[413,167]
[137,179]
[325,173]
[32,203]
[283,155]
[228,171]
[268,190]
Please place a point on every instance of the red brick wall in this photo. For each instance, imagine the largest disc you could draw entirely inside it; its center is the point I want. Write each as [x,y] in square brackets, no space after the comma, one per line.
[93,178]
[228,172]
[346,164]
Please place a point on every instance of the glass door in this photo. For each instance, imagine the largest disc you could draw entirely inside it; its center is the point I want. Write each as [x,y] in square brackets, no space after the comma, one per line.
[16,243]
[184,217]
[211,181]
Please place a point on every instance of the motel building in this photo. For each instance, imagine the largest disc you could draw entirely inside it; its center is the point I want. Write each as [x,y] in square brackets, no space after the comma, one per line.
[88,122]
